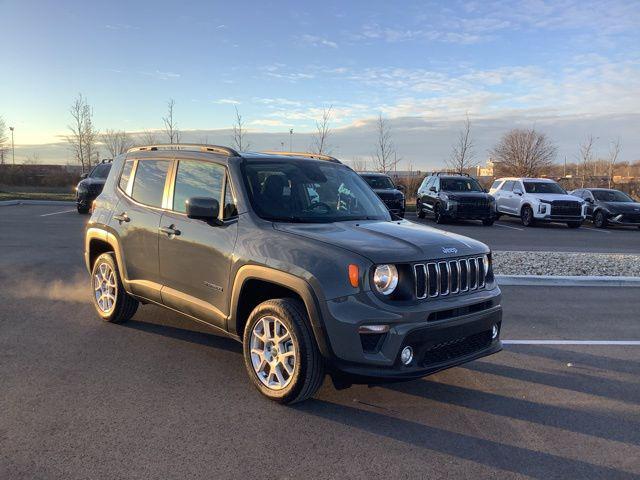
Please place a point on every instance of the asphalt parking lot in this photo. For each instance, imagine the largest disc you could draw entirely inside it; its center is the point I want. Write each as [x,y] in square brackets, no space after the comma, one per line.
[509,234]
[160,397]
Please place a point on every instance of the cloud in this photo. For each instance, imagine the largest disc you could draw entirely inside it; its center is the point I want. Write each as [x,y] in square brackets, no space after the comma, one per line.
[162,75]
[227,101]
[265,122]
[316,41]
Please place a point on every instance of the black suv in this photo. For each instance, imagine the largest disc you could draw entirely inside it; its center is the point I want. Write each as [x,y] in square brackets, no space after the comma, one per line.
[455,197]
[294,256]
[606,206]
[390,194]
[90,185]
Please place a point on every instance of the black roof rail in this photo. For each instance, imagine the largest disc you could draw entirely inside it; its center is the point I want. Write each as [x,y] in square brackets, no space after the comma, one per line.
[189,147]
[317,156]
[453,174]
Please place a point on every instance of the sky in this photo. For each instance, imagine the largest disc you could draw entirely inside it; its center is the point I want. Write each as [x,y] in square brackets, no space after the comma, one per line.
[569,68]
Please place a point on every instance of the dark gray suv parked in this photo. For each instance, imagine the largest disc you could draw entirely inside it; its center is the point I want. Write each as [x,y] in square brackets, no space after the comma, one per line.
[294,256]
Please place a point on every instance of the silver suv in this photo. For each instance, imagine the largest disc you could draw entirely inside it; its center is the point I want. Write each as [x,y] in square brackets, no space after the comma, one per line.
[537,200]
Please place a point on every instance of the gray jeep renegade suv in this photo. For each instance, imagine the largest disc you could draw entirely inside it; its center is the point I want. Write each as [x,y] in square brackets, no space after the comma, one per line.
[296,257]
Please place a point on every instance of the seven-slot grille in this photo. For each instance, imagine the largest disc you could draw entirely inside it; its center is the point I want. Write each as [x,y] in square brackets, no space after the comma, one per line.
[449,277]
[473,205]
[565,207]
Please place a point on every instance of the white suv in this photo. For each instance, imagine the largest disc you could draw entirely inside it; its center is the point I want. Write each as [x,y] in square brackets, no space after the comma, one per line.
[537,199]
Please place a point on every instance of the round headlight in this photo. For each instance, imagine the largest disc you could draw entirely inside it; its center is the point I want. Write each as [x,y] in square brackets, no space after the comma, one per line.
[385,279]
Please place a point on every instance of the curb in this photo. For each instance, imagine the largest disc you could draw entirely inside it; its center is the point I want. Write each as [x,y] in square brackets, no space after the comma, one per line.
[8,203]
[566,281]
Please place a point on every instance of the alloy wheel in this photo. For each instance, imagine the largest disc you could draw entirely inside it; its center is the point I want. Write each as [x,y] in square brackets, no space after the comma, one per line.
[273,353]
[105,288]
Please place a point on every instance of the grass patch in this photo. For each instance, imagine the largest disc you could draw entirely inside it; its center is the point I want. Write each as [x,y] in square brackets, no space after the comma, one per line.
[37,196]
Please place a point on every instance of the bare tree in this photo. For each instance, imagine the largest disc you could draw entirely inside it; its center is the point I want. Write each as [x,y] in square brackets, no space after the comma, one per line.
[83,137]
[240,134]
[385,157]
[148,137]
[524,153]
[612,158]
[462,153]
[586,155]
[3,140]
[359,164]
[170,125]
[320,143]
[116,142]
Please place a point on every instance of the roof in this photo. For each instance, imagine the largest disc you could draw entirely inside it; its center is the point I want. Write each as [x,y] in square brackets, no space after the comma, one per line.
[527,179]
[374,174]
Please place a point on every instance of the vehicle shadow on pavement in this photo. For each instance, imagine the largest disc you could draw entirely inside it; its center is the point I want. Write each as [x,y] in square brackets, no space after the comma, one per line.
[493,454]
[578,421]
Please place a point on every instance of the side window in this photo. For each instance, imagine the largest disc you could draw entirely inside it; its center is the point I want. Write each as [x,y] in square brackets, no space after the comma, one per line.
[436,183]
[230,209]
[126,173]
[148,184]
[197,179]
[495,184]
[424,183]
[507,186]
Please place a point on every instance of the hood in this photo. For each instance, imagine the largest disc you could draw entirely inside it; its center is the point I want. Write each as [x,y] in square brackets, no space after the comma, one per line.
[387,193]
[621,207]
[550,197]
[468,195]
[388,242]
[92,181]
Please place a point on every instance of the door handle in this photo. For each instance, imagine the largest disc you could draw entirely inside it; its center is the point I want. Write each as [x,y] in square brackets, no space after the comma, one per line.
[170,230]
[123,217]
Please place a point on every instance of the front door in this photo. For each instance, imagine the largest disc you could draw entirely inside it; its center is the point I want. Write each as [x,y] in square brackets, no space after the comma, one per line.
[195,256]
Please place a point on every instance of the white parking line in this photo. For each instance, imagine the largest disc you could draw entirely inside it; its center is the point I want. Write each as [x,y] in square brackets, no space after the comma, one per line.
[572,342]
[57,213]
[594,230]
[508,226]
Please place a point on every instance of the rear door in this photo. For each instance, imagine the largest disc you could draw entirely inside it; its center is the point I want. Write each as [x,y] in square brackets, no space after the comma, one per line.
[136,220]
[195,261]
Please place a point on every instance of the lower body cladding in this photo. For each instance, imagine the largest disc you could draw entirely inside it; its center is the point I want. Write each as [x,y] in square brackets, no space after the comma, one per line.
[421,339]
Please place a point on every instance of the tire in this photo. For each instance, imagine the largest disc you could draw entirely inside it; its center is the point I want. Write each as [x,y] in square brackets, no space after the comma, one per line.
[574,224]
[599,220]
[419,210]
[487,222]
[83,210]
[307,372]
[498,215]
[117,305]
[526,216]
[437,216]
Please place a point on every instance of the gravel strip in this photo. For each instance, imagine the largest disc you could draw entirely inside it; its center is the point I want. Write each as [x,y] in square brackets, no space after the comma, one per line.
[569,264]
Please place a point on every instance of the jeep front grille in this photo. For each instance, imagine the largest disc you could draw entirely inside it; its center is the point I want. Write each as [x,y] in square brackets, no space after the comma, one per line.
[449,277]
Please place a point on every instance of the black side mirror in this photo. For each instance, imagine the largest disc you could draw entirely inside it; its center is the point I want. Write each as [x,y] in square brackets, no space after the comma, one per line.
[83,176]
[204,208]
[433,189]
[588,200]
[517,191]
[485,190]
[400,187]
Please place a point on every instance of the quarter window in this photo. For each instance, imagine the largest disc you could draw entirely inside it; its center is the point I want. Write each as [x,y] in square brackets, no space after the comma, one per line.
[126,173]
[148,184]
[197,179]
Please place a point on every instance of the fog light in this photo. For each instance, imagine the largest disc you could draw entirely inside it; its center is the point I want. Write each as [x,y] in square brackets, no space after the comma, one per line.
[494,332]
[406,356]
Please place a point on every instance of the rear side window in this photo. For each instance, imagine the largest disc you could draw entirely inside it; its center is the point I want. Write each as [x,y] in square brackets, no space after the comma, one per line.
[126,173]
[197,179]
[508,186]
[148,184]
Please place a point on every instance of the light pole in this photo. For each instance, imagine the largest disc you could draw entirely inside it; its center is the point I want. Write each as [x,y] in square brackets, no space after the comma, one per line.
[291,139]
[13,148]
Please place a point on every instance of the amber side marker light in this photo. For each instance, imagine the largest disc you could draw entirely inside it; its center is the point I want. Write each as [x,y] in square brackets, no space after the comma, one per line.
[354,275]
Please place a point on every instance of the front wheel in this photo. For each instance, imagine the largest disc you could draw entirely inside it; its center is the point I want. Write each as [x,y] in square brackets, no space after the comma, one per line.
[487,222]
[280,352]
[110,299]
[83,210]
[419,209]
[526,216]
[437,214]
[574,224]
[599,221]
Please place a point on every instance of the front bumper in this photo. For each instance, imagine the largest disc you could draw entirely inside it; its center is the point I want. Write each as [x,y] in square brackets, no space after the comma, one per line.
[558,218]
[619,219]
[462,213]
[464,334]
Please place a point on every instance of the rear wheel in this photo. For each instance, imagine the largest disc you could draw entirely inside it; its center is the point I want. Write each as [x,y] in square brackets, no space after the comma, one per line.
[110,299]
[280,352]
[526,216]
[487,222]
[599,220]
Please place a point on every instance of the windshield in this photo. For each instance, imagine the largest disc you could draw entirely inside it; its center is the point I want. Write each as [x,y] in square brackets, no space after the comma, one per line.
[460,185]
[379,182]
[611,196]
[101,170]
[310,191]
[543,187]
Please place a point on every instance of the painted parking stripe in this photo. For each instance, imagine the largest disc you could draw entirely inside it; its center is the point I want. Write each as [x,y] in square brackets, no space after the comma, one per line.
[572,342]
[57,213]
[594,230]
[508,226]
